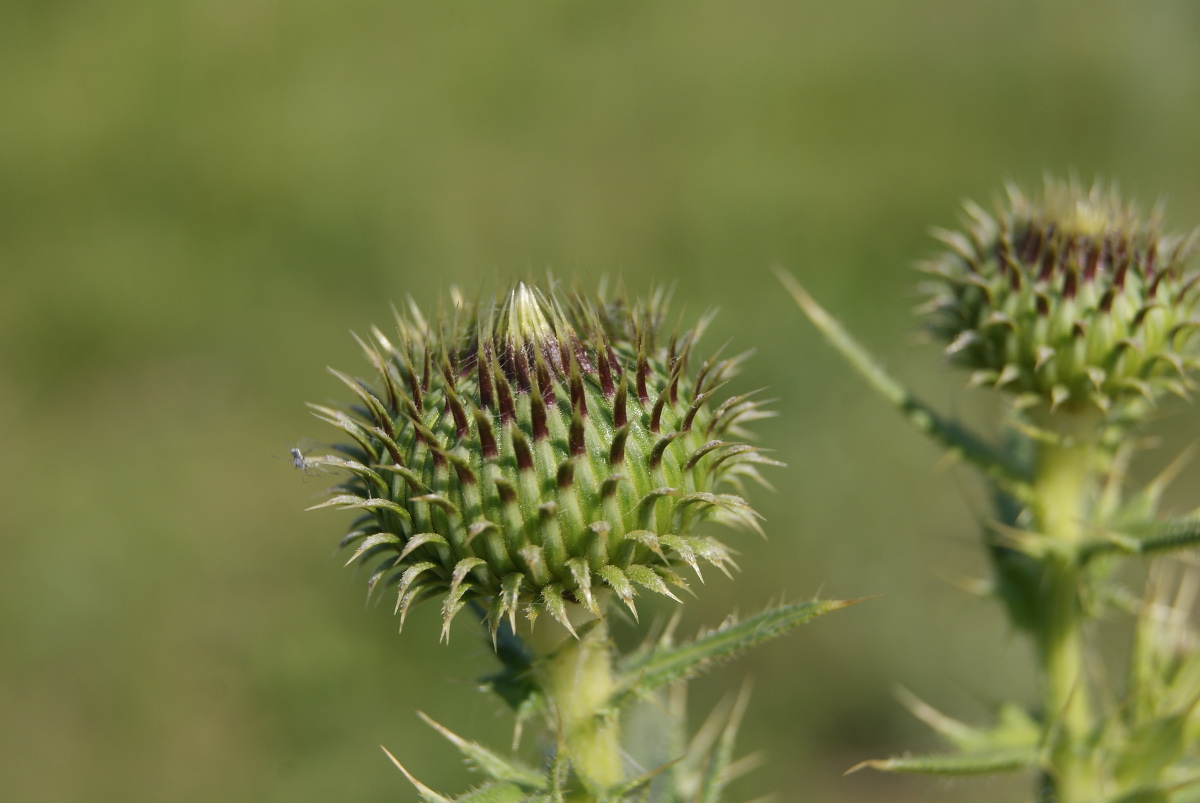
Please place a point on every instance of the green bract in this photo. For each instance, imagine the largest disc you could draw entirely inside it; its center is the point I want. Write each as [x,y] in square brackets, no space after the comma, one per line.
[532,453]
[1071,300]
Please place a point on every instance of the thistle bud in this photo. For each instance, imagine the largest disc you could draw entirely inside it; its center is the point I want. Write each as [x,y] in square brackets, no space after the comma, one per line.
[539,452]
[1070,301]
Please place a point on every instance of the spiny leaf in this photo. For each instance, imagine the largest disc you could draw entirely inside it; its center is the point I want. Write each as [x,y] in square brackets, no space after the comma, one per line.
[349,500]
[952,436]
[582,576]
[427,794]
[689,771]
[560,770]
[1164,536]
[415,594]
[552,598]
[411,477]
[983,763]
[384,567]
[1143,505]
[1153,747]
[1149,795]
[440,501]
[666,665]
[714,552]
[410,576]
[420,540]
[684,550]
[352,536]
[487,762]
[646,578]
[1014,727]
[1159,793]
[620,584]
[716,774]
[510,593]
[957,733]
[639,783]
[373,541]
[496,793]
[1171,535]
[454,601]
[353,466]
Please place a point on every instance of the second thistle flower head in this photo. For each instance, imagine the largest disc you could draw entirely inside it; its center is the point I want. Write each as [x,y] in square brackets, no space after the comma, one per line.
[535,452]
[1071,300]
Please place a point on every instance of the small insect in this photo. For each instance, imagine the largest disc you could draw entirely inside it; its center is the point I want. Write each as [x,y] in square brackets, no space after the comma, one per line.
[300,461]
[303,463]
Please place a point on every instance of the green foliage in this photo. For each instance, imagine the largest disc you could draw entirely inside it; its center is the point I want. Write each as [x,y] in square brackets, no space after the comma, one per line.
[1012,744]
[698,772]
[490,764]
[983,762]
[1083,314]
[648,669]
[950,435]
[201,198]
[1151,537]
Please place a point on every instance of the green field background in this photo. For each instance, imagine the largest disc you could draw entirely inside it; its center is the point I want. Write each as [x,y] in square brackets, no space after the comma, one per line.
[201,199]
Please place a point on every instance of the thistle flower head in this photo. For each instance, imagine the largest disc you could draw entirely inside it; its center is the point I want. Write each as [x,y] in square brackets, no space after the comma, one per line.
[535,452]
[1071,300]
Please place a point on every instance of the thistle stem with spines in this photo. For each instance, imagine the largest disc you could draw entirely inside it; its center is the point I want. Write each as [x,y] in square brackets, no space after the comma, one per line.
[1081,312]
[1063,489]
[579,682]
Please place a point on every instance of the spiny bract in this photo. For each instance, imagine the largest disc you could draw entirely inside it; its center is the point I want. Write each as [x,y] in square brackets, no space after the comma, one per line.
[1073,300]
[531,453]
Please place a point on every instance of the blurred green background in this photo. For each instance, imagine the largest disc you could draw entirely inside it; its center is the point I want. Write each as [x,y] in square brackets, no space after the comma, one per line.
[200,198]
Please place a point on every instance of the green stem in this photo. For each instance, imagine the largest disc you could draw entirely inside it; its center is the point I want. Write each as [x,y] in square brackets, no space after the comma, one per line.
[580,683]
[1066,698]
[1063,486]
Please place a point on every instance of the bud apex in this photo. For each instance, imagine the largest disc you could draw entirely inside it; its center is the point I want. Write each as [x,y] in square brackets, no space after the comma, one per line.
[1070,301]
